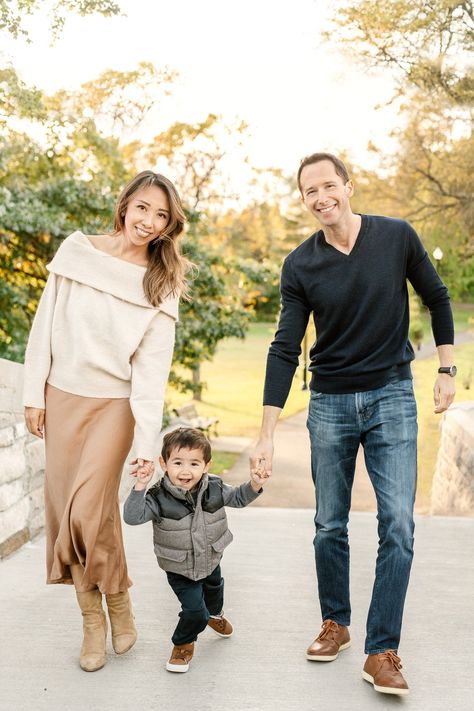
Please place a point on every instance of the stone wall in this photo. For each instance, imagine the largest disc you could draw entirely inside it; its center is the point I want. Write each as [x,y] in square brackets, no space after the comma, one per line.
[21,466]
[453,482]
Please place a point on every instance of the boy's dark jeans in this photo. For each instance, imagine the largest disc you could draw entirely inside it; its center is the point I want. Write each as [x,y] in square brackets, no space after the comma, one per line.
[199,599]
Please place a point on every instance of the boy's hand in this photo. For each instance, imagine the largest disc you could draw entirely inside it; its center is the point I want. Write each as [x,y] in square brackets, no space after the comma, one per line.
[259,476]
[143,472]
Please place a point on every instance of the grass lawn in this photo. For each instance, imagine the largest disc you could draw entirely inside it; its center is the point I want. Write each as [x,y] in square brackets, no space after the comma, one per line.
[424,374]
[235,384]
[222,462]
[463,320]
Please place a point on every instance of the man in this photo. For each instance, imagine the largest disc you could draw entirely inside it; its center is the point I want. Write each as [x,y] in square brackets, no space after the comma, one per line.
[352,276]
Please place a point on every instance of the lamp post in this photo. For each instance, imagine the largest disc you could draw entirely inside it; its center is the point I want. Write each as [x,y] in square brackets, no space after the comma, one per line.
[438,256]
[305,362]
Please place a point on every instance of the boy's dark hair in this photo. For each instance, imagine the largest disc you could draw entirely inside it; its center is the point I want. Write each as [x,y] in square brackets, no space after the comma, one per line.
[187,438]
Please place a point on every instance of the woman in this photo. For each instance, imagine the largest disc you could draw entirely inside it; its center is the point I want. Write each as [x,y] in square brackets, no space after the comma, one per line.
[96,368]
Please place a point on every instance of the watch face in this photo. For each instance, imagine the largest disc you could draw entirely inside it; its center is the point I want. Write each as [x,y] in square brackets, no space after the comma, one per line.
[453,371]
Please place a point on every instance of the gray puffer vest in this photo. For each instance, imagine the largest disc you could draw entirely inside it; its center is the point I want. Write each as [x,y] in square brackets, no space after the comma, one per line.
[189,536]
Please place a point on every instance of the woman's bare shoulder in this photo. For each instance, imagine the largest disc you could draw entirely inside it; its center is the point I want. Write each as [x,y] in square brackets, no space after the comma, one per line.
[102,242]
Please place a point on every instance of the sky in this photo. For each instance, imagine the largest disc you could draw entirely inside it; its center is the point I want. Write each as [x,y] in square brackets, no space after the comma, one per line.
[261,61]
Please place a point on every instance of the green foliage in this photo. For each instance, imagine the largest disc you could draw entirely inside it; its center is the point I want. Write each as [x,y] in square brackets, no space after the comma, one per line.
[259,285]
[222,462]
[17,99]
[12,14]
[416,331]
[13,320]
[214,313]
[68,178]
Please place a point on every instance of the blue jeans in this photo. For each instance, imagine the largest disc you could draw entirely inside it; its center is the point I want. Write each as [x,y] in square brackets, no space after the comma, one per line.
[199,599]
[384,422]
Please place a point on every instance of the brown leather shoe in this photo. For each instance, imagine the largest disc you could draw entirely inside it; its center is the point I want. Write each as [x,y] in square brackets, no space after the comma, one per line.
[383,671]
[221,626]
[330,641]
[180,657]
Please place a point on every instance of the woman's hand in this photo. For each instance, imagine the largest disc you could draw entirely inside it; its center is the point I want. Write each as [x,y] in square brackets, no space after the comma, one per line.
[143,472]
[34,418]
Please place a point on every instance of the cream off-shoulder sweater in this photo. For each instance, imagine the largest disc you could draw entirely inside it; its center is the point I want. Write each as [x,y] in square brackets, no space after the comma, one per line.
[96,335]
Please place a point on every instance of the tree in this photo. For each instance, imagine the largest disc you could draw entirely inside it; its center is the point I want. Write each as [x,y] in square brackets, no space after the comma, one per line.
[12,14]
[429,181]
[423,42]
[197,153]
[65,178]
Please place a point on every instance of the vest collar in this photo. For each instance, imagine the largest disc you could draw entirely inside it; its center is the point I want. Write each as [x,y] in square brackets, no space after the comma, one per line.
[180,493]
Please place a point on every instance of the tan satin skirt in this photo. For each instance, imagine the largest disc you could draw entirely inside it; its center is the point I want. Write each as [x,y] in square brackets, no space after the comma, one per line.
[87,442]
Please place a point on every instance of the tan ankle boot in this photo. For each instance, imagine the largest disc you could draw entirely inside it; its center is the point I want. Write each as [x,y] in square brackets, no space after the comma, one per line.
[124,632]
[93,654]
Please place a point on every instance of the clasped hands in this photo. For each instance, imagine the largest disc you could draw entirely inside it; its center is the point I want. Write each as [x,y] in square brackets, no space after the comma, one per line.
[260,470]
[143,472]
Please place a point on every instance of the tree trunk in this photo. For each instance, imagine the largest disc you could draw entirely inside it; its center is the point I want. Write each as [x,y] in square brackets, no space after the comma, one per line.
[197,385]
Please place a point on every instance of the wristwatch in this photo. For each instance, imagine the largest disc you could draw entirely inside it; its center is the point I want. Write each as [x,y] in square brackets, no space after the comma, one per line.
[449,370]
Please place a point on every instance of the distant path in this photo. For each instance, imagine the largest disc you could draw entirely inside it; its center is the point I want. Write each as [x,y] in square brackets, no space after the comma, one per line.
[291,485]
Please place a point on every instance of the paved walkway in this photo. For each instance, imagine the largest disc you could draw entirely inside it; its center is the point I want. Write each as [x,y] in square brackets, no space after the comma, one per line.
[291,485]
[271,599]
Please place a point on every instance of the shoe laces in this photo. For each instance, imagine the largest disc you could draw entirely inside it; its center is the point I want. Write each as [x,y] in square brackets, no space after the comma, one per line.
[219,622]
[392,658]
[181,653]
[328,627]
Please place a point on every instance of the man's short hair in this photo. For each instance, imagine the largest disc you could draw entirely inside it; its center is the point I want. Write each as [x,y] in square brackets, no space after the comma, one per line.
[339,166]
[186,438]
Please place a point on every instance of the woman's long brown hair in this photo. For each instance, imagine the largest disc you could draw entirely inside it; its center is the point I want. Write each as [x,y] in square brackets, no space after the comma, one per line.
[167,267]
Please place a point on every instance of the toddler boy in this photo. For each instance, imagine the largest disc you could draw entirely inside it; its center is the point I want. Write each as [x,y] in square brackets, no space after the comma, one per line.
[190,532]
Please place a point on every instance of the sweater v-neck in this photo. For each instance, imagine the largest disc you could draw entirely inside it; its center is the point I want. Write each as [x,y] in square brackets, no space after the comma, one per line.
[356,245]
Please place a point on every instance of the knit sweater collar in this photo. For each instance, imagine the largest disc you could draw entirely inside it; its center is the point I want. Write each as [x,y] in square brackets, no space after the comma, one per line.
[77,259]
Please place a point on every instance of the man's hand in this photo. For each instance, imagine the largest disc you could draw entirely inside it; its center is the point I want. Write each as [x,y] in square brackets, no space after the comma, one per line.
[259,476]
[443,392]
[144,470]
[263,452]
[262,457]
[34,418]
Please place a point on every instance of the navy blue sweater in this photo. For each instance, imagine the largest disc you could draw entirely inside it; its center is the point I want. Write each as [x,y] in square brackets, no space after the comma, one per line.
[359,303]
